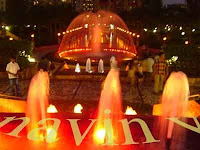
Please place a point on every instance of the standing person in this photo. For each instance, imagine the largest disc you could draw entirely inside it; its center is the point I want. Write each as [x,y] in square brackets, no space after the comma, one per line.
[135,75]
[148,65]
[51,68]
[12,69]
[160,73]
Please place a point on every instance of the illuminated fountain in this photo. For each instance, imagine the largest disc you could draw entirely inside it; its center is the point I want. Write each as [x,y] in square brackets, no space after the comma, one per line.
[38,97]
[88,66]
[130,111]
[37,108]
[78,108]
[97,35]
[77,68]
[101,66]
[110,130]
[174,104]
[109,110]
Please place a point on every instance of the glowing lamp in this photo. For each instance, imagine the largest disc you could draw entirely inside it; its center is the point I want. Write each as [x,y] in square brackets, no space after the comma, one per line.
[186,42]
[86,25]
[138,36]
[133,34]
[112,26]
[182,33]
[78,108]
[7,28]
[51,109]
[30,59]
[63,33]
[59,34]
[32,35]
[130,111]
[99,136]
[165,38]
[11,39]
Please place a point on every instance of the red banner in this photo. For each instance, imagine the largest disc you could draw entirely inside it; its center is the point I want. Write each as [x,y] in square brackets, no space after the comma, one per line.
[76,131]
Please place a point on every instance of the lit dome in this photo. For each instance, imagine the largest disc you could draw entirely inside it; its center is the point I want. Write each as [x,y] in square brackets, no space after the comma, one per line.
[97,35]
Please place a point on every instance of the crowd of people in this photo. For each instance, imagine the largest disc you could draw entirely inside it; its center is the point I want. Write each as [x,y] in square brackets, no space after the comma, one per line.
[148,71]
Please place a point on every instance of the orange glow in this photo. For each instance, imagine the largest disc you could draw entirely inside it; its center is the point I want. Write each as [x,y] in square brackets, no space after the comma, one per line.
[37,100]
[130,111]
[97,38]
[134,34]
[66,66]
[78,109]
[186,42]
[74,50]
[61,54]
[193,109]
[99,136]
[138,36]
[63,33]
[11,105]
[95,35]
[121,43]
[52,109]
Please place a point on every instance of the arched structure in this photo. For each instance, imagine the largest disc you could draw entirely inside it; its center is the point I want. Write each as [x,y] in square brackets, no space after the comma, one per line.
[97,35]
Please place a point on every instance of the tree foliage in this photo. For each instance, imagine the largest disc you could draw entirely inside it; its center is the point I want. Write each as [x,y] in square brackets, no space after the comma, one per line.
[184,52]
[188,58]
[20,48]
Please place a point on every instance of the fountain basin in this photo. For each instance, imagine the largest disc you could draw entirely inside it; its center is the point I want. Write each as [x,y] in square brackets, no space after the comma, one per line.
[193,109]
[12,106]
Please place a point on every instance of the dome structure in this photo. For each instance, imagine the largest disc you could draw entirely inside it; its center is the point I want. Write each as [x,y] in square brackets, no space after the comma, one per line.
[97,35]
